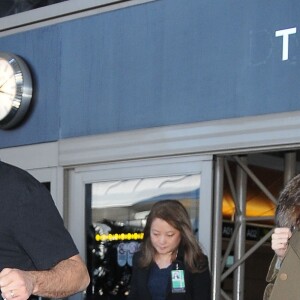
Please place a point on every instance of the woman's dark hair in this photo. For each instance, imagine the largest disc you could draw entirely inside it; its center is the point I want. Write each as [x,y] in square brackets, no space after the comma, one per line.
[175,214]
[288,208]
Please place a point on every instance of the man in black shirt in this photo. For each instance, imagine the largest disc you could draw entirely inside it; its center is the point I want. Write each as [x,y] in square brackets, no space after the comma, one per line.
[37,253]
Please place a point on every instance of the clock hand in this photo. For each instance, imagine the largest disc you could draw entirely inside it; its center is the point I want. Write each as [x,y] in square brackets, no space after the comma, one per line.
[1,85]
[5,93]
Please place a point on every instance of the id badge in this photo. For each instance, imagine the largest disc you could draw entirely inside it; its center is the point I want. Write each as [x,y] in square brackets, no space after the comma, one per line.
[178,284]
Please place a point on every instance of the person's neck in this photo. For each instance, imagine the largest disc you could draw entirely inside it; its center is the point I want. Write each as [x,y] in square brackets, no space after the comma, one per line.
[163,260]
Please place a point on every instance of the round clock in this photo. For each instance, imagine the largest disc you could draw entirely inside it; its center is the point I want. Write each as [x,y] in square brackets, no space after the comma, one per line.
[15,89]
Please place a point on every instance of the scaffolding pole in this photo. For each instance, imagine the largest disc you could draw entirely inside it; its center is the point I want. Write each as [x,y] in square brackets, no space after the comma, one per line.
[239,273]
[217,228]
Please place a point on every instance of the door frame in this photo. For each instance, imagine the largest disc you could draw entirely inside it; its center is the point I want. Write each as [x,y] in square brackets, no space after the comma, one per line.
[165,166]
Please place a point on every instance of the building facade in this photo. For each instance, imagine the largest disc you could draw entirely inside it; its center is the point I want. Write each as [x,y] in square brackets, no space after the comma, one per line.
[153,90]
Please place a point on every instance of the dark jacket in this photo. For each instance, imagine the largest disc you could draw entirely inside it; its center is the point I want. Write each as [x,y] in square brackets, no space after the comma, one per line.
[198,285]
[287,278]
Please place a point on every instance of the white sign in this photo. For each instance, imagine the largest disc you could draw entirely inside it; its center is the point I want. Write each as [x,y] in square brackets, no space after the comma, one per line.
[285,33]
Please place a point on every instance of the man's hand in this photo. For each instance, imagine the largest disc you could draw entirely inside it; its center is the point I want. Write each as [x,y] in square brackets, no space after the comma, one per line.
[280,239]
[66,278]
[16,284]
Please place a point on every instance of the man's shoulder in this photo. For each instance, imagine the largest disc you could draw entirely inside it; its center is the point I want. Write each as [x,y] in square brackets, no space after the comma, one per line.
[8,168]
[13,175]
[11,170]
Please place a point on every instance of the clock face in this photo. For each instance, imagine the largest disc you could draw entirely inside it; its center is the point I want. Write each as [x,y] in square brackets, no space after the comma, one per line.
[15,89]
[7,88]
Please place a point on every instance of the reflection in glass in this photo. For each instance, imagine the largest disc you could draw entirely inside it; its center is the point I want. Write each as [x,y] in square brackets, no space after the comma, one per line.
[116,213]
[11,7]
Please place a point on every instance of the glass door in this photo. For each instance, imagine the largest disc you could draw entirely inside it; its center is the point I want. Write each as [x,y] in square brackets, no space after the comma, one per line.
[111,203]
[116,213]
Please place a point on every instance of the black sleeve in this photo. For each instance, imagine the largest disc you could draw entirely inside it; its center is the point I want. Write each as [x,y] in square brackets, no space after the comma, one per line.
[38,227]
[201,286]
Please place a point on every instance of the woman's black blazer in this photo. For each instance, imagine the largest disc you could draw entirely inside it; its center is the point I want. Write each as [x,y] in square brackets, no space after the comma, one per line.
[198,285]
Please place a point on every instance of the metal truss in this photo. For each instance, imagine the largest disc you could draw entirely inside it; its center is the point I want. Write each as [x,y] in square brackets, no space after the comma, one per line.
[237,241]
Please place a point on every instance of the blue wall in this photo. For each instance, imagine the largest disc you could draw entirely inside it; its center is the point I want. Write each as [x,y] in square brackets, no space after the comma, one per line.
[162,63]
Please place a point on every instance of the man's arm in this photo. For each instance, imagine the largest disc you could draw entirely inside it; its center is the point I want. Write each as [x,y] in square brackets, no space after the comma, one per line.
[68,277]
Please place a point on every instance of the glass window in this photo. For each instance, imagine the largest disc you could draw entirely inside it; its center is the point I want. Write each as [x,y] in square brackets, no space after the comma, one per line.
[11,7]
[47,184]
[116,213]
[17,15]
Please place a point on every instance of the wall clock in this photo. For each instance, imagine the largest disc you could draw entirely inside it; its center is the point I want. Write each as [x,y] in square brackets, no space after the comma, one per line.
[15,89]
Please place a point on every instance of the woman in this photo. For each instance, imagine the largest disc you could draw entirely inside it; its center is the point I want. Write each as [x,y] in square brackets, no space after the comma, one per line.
[170,263]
